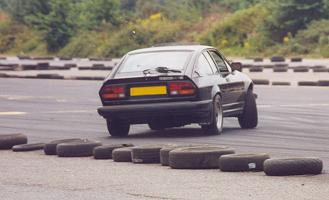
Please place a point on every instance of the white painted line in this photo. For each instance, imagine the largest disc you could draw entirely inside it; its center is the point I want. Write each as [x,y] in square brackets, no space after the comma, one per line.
[12,113]
[69,111]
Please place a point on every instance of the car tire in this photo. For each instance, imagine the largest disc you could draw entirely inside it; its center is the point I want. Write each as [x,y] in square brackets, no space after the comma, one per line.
[249,117]
[217,117]
[242,162]
[202,157]
[82,148]
[118,128]
[146,154]
[164,153]
[28,147]
[50,148]
[293,166]
[122,154]
[9,140]
[105,152]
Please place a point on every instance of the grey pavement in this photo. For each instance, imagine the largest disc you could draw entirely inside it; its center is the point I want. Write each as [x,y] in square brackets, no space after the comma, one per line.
[293,122]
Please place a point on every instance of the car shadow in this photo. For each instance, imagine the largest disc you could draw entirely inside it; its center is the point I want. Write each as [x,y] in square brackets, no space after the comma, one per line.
[179,133]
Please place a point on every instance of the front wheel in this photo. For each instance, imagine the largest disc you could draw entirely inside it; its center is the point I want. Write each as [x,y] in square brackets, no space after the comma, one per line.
[118,128]
[216,124]
[249,117]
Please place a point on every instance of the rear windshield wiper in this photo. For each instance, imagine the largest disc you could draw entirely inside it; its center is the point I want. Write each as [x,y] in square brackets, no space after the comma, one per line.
[163,70]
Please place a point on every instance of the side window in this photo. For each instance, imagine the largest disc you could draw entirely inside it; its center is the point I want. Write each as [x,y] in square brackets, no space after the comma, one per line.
[203,67]
[211,62]
[219,61]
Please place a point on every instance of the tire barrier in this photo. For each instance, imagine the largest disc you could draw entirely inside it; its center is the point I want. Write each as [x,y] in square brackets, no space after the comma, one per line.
[278,59]
[83,148]
[258,59]
[9,140]
[319,70]
[28,147]
[323,83]
[43,58]
[105,152]
[42,66]
[122,154]
[23,57]
[307,83]
[293,166]
[261,82]
[242,162]
[280,69]
[164,153]
[49,76]
[146,154]
[301,69]
[204,157]
[296,59]
[50,148]
[279,83]
[256,69]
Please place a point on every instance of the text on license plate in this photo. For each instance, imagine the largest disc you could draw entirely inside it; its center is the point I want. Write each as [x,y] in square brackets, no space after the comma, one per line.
[148,91]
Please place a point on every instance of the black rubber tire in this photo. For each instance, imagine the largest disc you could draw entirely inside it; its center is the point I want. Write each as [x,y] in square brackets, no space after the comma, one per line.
[293,166]
[249,117]
[82,148]
[242,162]
[155,126]
[146,154]
[122,154]
[105,152]
[164,153]
[9,140]
[203,157]
[217,111]
[28,147]
[50,148]
[118,128]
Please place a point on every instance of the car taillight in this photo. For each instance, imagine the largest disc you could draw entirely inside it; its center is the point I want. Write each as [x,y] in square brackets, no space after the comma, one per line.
[113,92]
[184,88]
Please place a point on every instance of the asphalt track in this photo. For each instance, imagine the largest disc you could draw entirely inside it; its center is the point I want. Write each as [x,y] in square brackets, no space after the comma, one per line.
[293,121]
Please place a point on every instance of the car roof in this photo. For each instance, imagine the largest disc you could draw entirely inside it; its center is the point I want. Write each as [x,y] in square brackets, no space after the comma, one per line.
[172,48]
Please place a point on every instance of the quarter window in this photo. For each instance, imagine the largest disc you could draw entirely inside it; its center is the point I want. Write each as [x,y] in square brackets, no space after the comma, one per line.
[219,61]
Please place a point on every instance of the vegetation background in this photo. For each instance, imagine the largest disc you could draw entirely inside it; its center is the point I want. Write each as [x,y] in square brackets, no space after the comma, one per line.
[110,28]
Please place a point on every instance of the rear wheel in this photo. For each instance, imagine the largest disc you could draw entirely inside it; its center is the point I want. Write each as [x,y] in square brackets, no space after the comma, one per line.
[216,125]
[118,128]
[249,117]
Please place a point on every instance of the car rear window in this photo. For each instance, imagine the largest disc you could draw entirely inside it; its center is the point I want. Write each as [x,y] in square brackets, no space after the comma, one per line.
[150,60]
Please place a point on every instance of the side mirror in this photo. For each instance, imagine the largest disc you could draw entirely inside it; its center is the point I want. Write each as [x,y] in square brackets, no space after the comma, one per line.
[236,66]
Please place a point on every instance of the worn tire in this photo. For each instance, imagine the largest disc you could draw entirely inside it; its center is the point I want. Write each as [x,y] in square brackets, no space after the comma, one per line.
[217,118]
[122,154]
[249,117]
[9,140]
[82,148]
[146,154]
[50,148]
[203,157]
[28,147]
[105,152]
[293,166]
[164,153]
[118,128]
[242,162]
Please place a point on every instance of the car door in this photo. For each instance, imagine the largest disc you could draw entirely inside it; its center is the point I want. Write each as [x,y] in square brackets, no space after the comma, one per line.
[232,87]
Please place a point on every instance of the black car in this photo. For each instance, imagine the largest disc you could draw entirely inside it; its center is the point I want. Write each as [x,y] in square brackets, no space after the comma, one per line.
[172,86]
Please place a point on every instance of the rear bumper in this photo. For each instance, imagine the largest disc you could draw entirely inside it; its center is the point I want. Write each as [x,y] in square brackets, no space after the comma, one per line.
[188,110]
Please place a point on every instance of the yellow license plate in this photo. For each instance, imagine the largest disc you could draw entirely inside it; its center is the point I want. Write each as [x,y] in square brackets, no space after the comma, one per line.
[148,91]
